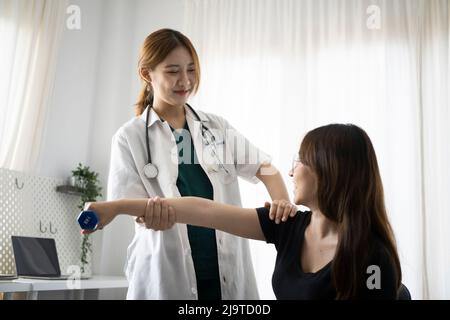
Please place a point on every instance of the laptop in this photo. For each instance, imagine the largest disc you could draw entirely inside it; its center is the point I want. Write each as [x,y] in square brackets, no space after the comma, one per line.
[36,258]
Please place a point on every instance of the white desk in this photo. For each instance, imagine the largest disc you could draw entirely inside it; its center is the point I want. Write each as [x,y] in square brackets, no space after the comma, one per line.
[33,286]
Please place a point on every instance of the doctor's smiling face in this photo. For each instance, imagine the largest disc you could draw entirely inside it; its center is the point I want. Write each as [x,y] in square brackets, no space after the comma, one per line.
[174,78]
[169,69]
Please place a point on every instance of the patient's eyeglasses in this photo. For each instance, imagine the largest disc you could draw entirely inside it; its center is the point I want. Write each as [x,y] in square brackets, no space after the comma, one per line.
[295,161]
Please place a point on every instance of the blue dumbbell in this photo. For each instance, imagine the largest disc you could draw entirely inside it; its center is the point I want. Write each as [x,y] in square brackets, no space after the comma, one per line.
[88,220]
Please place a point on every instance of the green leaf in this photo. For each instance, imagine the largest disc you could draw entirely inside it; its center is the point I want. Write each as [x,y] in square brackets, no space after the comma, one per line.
[90,191]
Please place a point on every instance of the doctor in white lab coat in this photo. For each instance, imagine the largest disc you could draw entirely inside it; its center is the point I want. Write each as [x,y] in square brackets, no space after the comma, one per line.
[167,263]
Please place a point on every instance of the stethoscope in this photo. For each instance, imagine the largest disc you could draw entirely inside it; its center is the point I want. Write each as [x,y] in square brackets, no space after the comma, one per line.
[151,171]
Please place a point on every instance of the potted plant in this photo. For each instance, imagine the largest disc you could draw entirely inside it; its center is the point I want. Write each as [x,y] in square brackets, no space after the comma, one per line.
[89,186]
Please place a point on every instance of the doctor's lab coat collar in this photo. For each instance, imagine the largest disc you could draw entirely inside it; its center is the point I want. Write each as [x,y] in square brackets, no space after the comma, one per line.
[154,116]
[191,115]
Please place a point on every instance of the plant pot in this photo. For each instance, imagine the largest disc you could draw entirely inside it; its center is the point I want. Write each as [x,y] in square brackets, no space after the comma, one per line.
[87,273]
[76,182]
[86,263]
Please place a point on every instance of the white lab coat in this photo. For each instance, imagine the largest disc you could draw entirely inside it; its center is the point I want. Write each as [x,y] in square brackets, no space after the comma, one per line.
[159,263]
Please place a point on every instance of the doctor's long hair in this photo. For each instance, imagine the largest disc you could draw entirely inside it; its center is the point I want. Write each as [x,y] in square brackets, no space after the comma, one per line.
[350,193]
[156,47]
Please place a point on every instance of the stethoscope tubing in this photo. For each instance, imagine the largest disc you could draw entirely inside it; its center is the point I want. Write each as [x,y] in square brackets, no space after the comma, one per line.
[150,170]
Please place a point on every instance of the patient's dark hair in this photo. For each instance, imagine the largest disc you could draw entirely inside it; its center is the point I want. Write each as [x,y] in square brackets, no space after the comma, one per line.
[350,193]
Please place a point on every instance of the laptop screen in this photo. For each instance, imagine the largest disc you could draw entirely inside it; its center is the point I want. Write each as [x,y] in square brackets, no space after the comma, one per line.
[35,257]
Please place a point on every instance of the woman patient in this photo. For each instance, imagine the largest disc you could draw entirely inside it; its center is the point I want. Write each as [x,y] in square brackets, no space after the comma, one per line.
[343,248]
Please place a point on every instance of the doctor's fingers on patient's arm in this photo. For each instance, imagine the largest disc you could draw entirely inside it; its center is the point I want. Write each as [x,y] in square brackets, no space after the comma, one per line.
[273,209]
[280,210]
[164,220]
[156,213]
[288,210]
[167,217]
[148,216]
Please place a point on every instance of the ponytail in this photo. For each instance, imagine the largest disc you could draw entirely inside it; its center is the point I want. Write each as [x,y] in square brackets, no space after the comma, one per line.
[145,98]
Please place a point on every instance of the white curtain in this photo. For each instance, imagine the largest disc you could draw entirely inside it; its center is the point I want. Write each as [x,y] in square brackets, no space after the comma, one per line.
[277,69]
[30,36]
[435,151]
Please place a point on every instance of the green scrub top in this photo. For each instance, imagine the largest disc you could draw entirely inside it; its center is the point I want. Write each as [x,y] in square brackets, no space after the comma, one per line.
[193,181]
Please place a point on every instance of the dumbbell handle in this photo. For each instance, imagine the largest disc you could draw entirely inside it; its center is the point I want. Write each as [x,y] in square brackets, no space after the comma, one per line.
[88,220]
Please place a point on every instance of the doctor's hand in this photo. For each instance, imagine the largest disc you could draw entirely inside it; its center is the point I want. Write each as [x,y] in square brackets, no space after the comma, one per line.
[280,210]
[106,211]
[158,215]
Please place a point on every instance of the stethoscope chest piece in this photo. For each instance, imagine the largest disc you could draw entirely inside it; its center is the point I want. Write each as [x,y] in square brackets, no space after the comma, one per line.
[150,170]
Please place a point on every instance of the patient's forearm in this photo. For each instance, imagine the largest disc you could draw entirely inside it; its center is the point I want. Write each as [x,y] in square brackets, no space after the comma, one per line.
[203,212]
[206,213]
[132,207]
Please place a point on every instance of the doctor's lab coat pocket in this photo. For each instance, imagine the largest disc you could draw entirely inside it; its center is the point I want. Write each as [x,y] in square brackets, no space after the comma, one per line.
[219,162]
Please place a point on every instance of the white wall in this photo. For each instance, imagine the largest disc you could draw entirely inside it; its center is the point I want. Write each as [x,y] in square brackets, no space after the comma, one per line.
[66,137]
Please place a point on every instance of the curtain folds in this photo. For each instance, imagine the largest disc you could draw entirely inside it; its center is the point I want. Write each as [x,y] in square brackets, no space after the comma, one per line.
[30,33]
[276,69]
